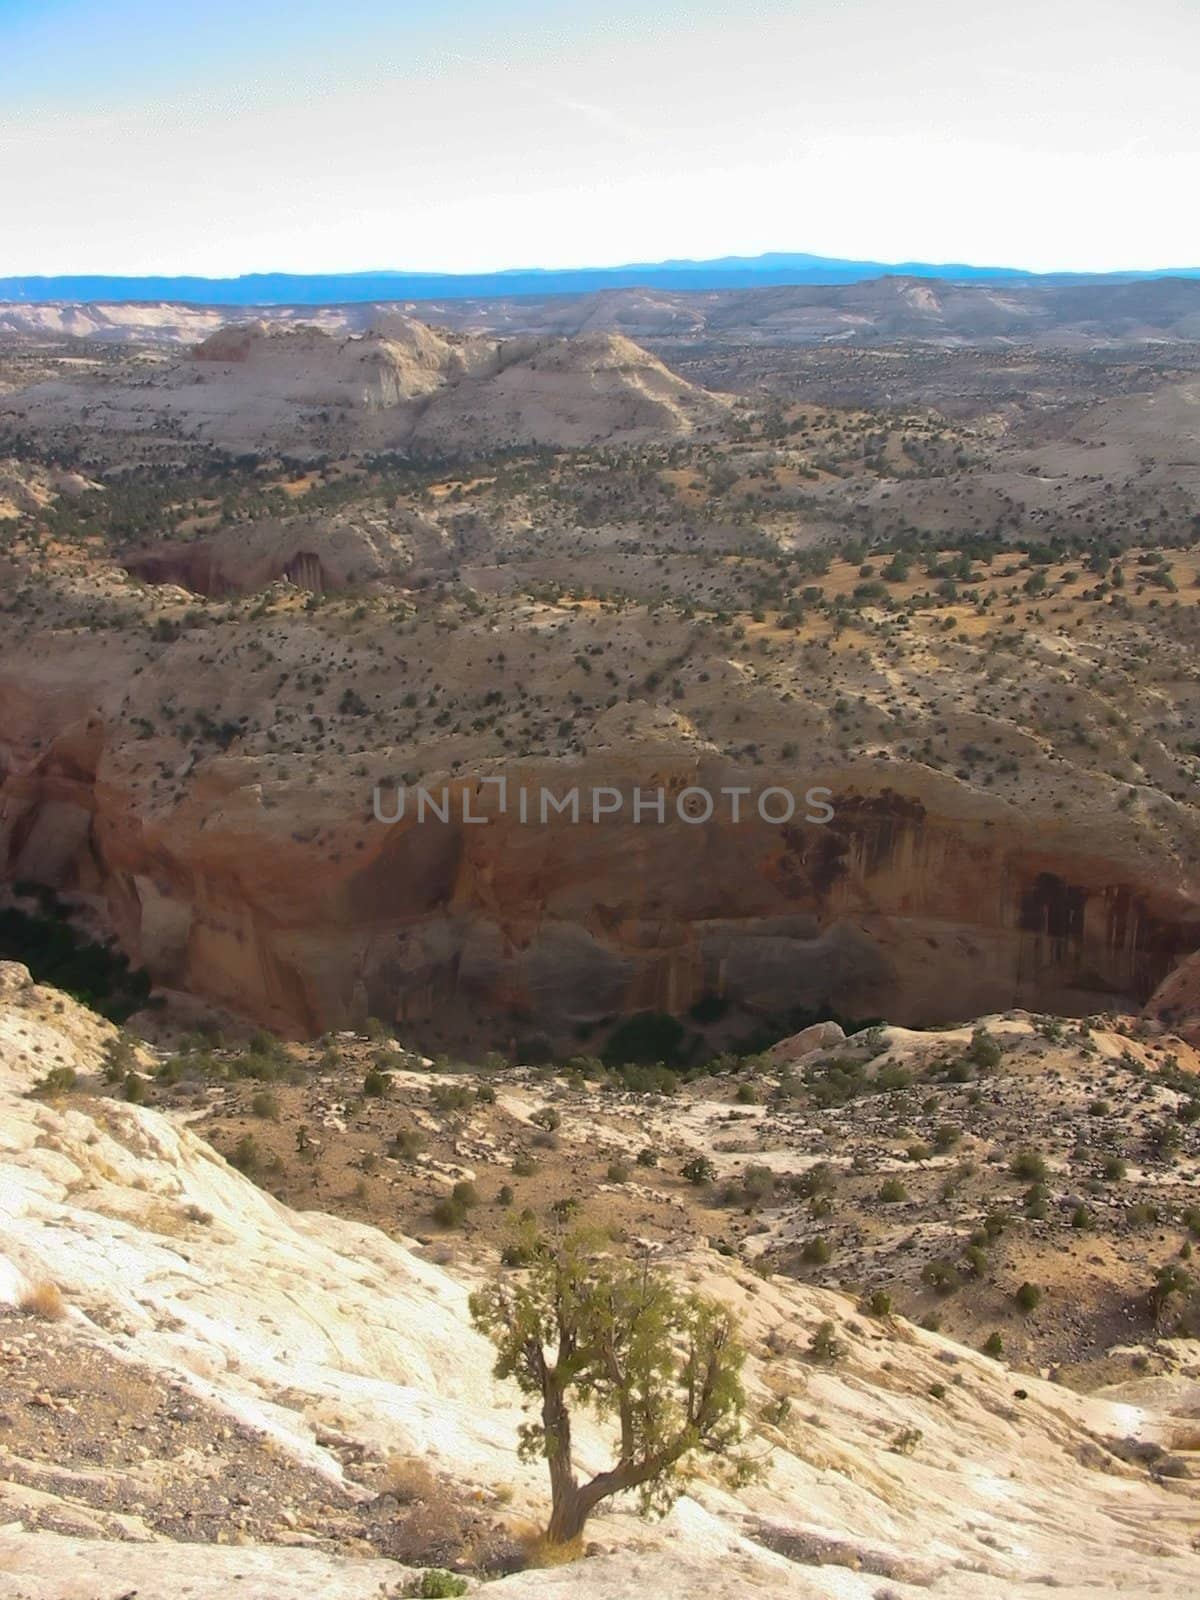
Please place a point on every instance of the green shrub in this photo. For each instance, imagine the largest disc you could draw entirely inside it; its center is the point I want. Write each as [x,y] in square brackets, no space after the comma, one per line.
[1029,1166]
[406,1143]
[265,1104]
[436,1584]
[817,1251]
[1028,1296]
[246,1155]
[942,1276]
[57,1081]
[891,1191]
[699,1171]
[985,1051]
[825,1346]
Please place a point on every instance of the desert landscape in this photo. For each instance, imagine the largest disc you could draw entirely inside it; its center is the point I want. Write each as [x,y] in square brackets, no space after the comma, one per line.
[904,1083]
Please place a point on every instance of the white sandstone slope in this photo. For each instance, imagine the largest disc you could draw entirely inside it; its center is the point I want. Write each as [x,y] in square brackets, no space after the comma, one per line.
[278,384]
[313,1329]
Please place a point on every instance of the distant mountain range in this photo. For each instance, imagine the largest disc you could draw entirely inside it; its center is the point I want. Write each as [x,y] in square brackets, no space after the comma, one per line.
[339,288]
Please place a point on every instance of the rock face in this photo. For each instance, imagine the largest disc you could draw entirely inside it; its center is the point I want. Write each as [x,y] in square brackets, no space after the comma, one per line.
[820,1036]
[322,554]
[921,900]
[397,385]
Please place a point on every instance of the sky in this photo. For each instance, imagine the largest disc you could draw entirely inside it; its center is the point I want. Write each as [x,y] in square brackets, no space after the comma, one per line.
[154,136]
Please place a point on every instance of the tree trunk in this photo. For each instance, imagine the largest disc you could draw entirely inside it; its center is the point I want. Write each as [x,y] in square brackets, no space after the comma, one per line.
[571,1510]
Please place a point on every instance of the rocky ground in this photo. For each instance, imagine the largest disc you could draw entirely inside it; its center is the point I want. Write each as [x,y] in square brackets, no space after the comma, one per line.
[1066,1157]
[294,1370]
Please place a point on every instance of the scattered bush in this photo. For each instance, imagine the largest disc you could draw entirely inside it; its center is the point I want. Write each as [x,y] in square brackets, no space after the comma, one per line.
[699,1171]
[1028,1296]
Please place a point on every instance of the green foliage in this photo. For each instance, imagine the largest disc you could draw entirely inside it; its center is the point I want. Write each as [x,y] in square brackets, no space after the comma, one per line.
[1169,1281]
[1029,1166]
[246,1155]
[451,1211]
[942,1276]
[891,1191]
[436,1584]
[1028,1296]
[699,1171]
[97,975]
[577,1328]
[57,1081]
[407,1143]
[824,1346]
[985,1051]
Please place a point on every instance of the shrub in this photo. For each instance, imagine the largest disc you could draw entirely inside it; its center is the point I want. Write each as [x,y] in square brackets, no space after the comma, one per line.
[985,1051]
[265,1104]
[451,1097]
[406,1143]
[880,1303]
[941,1276]
[435,1583]
[246,1155]
[1029,1166]
[448,1213]
[1028,1296]
[44,1300]
[524,1166]
[57,1081]
[993,1345]
[376,1083]
[891,1191]
[699,1171]
[617,1172]
[817,1251]
[825,1346]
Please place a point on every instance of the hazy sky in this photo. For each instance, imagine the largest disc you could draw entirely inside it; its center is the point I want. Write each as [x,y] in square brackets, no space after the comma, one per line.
[241,135]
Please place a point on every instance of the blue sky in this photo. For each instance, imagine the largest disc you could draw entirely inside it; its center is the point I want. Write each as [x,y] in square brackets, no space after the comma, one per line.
[479,134]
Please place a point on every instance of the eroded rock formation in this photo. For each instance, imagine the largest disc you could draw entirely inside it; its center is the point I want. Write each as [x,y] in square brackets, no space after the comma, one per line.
[921,900]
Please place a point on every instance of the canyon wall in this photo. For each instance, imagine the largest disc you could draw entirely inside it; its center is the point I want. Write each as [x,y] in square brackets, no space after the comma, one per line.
[922,899]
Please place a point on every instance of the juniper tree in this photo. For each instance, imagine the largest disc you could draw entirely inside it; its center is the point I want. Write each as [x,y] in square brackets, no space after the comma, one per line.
[576,1328]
